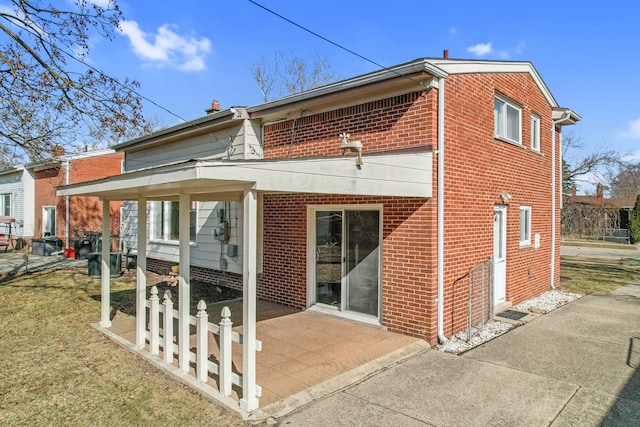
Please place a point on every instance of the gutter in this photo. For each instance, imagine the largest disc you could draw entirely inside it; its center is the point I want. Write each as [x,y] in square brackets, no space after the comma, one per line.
[66,202]
[440,213]
[568,118]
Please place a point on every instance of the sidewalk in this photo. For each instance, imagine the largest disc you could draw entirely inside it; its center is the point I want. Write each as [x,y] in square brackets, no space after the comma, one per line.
[577,365]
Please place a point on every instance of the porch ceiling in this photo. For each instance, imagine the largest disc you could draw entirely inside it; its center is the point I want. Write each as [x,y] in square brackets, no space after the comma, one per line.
[402,174]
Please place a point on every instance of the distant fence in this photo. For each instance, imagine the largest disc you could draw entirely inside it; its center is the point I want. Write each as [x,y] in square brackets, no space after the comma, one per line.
[20,256]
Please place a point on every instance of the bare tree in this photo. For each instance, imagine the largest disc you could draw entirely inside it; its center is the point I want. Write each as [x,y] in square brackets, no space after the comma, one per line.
[579,166]
[626,181]
[48,96]
[286,75]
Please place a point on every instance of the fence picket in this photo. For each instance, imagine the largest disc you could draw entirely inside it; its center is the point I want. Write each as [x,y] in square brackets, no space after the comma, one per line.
[225,352]
[168,327]
[202,348]
[154,320]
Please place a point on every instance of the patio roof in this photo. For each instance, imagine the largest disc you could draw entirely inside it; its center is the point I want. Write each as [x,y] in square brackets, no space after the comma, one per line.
[400,174]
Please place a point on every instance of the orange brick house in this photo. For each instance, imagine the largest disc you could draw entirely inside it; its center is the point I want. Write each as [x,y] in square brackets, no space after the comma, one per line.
[71,216]
[370,199]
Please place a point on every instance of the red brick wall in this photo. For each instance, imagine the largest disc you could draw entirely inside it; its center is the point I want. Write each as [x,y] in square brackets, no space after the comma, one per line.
[478,169]
[408,223]
[85,212]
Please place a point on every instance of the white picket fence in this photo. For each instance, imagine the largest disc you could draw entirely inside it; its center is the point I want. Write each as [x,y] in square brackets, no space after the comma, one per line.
[204,367]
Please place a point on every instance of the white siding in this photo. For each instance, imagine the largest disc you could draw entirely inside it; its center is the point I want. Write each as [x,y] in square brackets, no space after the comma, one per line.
[20,185]
[207,252]
[238,142]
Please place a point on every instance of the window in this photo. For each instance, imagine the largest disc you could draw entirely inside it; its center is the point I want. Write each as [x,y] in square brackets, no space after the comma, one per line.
[525,225]
[48,221]
[535,133]
[506,120]
[5,204]
[165,221]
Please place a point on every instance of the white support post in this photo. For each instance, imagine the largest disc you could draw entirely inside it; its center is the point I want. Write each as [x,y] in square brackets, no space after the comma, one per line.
[202,345]
[105,272]
[184,287]
[249,401]
[154,322]
[225,352]
[168,327]
[141,274]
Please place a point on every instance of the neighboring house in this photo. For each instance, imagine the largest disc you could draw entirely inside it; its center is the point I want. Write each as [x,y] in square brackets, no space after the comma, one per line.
[449,163]
[596,216]
[70,217]
[17,200]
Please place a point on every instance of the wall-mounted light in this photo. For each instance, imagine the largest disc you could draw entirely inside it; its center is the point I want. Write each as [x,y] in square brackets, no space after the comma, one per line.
[353,146]
[505,197]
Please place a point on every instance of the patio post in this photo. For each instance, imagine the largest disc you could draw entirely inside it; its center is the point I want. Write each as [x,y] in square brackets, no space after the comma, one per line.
[249,400]
[141,274]
[105,301]
[184,290]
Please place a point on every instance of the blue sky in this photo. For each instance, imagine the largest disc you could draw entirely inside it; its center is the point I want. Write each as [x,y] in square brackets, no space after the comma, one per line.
[187,53]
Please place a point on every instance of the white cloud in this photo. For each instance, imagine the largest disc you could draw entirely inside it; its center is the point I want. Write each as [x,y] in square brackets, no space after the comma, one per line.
[453,31]
[101,3]
[633,129]
[481,49]
[167,47]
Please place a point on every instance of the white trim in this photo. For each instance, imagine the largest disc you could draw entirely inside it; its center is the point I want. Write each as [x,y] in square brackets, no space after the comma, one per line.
[500,130]
[535,133]
[55,218]
[528,233]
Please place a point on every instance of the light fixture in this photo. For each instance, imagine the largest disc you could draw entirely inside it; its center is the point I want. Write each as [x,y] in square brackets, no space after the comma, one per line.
[505,196]
[353,146]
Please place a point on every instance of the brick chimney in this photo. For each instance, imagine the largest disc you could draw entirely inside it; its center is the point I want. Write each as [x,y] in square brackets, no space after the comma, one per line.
[215,107]
[57,150]
[445,53]
[600,195]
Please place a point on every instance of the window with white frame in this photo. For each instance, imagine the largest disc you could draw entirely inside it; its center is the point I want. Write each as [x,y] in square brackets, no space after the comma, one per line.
[165,221]
[525,225]
[48,221]
[507,121]
[535,133]
[5,204]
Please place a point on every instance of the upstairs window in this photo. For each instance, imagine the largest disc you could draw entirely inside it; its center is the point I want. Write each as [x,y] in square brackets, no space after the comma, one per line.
[165,221]
[535,133]
[507,122]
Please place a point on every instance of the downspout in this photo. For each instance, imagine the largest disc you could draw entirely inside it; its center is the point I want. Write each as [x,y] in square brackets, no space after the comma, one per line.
[66,203]
[553,197]
[440,212]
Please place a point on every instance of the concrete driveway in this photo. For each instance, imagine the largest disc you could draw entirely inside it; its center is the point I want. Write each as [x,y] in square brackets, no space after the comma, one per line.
[576,366]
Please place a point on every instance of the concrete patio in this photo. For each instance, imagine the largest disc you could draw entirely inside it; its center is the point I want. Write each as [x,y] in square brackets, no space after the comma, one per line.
[304,355]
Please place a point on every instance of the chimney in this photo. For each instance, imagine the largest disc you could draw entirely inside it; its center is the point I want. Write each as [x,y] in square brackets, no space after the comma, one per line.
[215,107]
[57,150]
[600,195]
[574,190]
[445,54]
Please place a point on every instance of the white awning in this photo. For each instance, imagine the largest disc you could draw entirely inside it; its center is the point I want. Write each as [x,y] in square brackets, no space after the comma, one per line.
[399,174]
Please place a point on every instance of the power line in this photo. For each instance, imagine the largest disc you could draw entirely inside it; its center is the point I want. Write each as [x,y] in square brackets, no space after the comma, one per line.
[339,46]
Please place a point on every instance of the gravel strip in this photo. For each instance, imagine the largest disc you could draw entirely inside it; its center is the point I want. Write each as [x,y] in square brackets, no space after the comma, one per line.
[542,304]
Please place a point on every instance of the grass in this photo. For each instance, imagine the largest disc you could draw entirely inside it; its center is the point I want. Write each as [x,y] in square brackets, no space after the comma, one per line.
[55,369]
[586,275]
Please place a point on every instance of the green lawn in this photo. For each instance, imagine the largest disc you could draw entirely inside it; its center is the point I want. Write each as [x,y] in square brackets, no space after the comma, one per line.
[587,275]
[57,370]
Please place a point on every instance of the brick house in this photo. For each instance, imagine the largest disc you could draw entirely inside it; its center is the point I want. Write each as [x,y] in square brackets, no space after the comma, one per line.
[70,216]
[369,199]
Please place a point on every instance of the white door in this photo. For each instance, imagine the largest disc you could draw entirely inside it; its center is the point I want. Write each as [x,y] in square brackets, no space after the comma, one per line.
[499,254]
